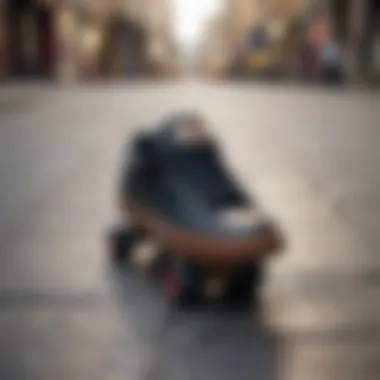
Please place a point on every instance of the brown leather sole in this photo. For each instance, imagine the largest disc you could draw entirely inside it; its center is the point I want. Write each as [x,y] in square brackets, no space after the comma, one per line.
[198,247]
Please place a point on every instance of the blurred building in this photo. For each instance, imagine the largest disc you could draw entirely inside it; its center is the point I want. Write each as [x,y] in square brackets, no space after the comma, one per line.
[242,15]
[4,56]
[357,23]
[122,52]
[81,32]
[214,44]
[72,40]
[154,19]
[161,47]
[137,38]
[27,38]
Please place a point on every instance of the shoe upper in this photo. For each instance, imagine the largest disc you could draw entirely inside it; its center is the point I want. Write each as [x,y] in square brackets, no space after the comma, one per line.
[186,182]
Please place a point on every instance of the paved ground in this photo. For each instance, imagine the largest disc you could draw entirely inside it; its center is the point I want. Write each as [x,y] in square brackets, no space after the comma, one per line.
[311,156]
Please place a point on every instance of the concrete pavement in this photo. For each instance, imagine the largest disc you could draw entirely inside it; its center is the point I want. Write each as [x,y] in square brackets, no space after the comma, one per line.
[311,156]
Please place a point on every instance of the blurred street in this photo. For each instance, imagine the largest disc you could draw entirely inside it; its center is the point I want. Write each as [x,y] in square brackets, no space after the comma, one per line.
[310,155]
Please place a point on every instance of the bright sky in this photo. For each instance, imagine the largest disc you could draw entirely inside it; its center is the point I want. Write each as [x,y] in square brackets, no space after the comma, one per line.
[190,16]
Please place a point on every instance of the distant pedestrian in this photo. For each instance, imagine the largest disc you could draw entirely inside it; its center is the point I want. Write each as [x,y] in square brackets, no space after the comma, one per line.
[309,61]
[333,62]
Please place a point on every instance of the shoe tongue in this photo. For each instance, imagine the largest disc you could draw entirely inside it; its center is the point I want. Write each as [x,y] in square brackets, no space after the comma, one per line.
[191,132]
